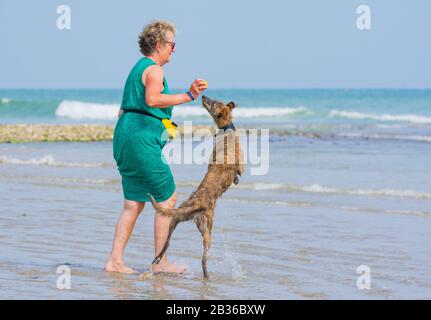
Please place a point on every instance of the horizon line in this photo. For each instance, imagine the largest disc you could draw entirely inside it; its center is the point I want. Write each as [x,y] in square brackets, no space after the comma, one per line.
[228,88]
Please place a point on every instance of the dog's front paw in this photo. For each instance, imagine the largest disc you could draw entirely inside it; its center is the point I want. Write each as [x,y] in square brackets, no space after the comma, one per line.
[236,180]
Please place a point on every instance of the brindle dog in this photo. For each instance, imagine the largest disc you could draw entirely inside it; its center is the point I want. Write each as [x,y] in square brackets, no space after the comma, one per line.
[226,165]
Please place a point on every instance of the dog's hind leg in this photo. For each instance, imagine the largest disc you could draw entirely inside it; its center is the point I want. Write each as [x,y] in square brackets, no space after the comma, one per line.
[206,243]
[204,225]
[172,227]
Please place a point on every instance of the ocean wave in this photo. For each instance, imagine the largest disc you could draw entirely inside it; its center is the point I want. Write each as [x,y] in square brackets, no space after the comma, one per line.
[86,110]
[315,134]
[382,117]
[5,100]
[34,178]
[246,112]
[49,160]
[316,188]
[255,200]
[266,186]
[389,126]
[418,138]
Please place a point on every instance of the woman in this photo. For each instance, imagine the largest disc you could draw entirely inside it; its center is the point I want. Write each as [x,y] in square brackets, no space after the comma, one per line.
[138,143]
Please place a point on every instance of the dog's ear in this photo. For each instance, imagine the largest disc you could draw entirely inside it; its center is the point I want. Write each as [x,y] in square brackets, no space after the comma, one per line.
[232,105]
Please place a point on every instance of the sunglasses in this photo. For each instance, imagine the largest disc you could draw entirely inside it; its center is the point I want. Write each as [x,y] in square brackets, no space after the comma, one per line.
[172,44]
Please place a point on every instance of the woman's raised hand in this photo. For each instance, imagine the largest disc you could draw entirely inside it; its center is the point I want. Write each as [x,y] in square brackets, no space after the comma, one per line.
[197,87]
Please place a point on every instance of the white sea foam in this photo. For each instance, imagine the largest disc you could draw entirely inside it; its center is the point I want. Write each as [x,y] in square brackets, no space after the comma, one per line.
[418,138]
[5,100]
[87,110]
[381,117]
[267,186]
[61,179]
[415,138]
[246,112]
[49,160]
[389,126]
[316,188]
[365,192]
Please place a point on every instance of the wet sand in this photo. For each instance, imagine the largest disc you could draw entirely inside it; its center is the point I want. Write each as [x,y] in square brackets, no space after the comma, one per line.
[271,240]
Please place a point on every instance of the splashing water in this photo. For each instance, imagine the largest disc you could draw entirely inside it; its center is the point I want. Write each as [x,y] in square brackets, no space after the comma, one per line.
[237,271]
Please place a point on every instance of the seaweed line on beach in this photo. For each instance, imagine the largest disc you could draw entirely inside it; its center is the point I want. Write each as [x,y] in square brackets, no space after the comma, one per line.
[19,133]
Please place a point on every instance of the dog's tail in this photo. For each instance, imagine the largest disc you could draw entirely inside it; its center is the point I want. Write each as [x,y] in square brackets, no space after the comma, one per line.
[181,214]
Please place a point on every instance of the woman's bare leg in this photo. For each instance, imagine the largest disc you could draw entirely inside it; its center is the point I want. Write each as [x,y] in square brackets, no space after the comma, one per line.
[123,230]
[161,230]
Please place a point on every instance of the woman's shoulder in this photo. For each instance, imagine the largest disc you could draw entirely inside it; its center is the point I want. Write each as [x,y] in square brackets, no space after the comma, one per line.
[154,72]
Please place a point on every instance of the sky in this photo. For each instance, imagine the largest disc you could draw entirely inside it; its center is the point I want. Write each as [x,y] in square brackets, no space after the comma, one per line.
[230,43]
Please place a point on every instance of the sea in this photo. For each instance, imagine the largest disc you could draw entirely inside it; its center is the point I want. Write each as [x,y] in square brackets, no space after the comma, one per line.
[343,210]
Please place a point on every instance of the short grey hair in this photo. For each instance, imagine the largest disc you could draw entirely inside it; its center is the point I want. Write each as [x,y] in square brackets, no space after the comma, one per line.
[154,32]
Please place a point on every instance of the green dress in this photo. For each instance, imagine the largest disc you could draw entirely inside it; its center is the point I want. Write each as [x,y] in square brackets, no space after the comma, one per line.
[138,142]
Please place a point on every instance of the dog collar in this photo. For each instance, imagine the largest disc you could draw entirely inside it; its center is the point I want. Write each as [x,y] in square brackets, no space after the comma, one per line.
[229,126]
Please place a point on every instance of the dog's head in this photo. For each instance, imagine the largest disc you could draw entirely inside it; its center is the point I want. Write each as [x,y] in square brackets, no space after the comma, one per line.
[220,112]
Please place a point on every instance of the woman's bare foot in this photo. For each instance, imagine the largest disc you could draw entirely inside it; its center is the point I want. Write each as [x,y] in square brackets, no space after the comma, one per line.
[120,267]
[167,267]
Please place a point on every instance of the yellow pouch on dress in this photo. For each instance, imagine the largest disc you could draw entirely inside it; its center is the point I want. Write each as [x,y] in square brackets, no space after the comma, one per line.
[171,128]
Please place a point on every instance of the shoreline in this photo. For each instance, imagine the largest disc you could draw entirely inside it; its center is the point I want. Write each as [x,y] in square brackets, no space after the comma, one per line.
[23,133]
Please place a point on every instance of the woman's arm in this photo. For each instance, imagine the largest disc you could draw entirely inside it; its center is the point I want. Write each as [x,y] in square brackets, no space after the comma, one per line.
[153,81]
